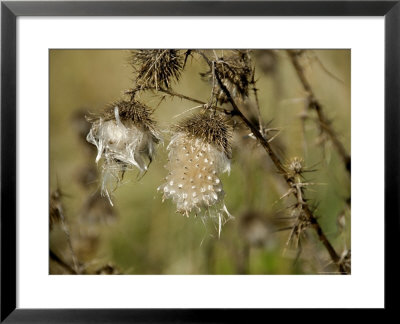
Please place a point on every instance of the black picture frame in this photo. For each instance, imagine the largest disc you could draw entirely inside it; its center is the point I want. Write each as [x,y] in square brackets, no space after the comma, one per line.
[11,10]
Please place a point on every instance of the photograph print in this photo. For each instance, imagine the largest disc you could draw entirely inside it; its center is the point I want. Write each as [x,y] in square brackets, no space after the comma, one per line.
[200,161]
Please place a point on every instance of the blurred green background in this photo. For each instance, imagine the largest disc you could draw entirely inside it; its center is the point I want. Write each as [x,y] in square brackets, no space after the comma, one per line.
[142,235]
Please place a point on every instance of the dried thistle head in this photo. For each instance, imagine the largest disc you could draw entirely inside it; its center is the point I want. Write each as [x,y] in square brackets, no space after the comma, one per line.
[198,152]
[125,136]
[235,72]
[157,68]
[295,166]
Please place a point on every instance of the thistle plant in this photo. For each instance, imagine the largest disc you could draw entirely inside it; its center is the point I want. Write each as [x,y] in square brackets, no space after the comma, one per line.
[199,149]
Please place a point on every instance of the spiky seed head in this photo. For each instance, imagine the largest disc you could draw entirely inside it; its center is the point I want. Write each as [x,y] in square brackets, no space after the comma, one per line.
[156,68]
[198,152]
[295,166]
[125,136]
[235,73]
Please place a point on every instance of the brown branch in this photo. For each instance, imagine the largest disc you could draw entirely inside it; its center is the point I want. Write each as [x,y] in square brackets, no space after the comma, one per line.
[313,103]
[175,94]
[182,96]
[281,169]
[255,91]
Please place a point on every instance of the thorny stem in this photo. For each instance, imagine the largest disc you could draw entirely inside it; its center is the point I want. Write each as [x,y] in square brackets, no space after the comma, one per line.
[313,103]
[175,94]
[255,91]
[179,95]
[281,169]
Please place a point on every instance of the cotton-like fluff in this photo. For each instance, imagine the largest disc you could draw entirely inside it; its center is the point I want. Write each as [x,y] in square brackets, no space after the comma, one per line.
[199,152]
[125,136]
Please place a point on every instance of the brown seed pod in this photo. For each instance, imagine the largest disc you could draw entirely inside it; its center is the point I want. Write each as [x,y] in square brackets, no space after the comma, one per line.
[157,68]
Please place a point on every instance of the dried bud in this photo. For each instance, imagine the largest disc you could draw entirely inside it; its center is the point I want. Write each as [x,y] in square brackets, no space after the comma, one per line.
[198,152]
[235,74]
[295,166]
[125,136]
[156,68]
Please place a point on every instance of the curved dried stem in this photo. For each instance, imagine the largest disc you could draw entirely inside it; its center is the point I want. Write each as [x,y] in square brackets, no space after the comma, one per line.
[182,96]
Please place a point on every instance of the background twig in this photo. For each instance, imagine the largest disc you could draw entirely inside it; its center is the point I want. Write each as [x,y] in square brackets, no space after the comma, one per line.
[313,103]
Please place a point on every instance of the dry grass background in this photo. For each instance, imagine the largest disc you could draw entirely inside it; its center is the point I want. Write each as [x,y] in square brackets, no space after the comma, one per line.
[146,236]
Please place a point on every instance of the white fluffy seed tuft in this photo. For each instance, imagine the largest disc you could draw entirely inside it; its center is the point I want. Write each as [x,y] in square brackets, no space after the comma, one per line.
[193,183]
[121,146]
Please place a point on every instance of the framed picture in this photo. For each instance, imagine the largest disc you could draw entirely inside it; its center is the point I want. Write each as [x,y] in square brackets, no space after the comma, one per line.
[262,123]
